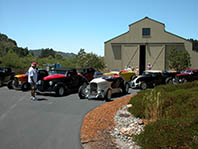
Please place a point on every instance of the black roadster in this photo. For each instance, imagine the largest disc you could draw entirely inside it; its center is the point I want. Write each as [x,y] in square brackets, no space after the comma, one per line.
[152,78]
[64,81]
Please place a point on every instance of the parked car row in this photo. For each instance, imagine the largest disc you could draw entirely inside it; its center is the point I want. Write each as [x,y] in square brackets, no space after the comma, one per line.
[88,82]
[93,84]
[152,78]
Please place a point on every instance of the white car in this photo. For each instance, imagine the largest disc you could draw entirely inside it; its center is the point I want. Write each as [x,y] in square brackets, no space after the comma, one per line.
[104,87]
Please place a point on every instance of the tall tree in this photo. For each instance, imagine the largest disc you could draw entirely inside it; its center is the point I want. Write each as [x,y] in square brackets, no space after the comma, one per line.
[195,44]
[90,60]
[179,59]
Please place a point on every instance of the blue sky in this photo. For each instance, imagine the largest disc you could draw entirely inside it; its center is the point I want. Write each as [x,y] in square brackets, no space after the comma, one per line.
[69,25]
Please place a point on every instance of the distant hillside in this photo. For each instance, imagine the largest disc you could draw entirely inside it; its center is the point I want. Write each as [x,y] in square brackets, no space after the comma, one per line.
[7,44]
[67,55]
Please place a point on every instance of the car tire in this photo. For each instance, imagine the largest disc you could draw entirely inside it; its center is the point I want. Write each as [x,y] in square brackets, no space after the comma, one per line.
[25,86]
[1,82]
[169,81]
[126,88]
[143,85]
[10,86]
[108,95]
[184,80]
[60,91]
[81,92]
[15,83]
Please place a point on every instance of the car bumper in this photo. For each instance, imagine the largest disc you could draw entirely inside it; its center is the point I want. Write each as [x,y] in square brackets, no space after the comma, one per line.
[43,89]
[95,95]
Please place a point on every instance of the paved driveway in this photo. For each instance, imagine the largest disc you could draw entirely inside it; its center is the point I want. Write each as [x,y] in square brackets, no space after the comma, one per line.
[52,123]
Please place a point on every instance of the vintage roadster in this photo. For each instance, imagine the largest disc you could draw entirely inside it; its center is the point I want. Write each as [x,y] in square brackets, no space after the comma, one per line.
[66,82]
[104,87]
[152,78]
[6,74]
[187,75]
[20,81]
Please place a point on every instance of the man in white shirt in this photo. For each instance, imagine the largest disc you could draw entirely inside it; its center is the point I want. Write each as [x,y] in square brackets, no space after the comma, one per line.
[32,79]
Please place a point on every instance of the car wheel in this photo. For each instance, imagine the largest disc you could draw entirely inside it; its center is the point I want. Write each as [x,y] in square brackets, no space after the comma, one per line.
[10,84]
[81,92]
[126,88]
[169,81]
[25,86]
[1,83]
[184,80]
[15,83]
[143,85]
[60,91]
[108,95]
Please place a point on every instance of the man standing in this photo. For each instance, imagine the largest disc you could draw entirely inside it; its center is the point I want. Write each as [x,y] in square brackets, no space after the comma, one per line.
[32,79]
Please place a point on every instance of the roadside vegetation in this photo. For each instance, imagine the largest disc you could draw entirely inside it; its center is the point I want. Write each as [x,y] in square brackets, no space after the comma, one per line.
[19,59]
[172,115]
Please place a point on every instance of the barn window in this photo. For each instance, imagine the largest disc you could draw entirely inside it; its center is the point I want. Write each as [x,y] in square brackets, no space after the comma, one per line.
[146,31]
[117,51]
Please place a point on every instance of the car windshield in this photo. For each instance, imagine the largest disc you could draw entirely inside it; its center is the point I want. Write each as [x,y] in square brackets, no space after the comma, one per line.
[107,77]
[148,72]
[186,71]
[98,74]
[57,72]
[115,69]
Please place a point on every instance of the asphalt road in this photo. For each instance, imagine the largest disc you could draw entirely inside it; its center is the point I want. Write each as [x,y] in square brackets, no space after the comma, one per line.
[51,123]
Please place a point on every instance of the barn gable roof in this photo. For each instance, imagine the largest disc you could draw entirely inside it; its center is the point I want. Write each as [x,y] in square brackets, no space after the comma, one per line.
[151,20]
[145,19]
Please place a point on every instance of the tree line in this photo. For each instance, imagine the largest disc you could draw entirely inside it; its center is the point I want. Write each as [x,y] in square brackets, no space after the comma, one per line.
[19,59]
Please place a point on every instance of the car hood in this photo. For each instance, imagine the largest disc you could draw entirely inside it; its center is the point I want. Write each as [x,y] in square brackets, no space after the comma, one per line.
[56,76]
[102,83]
[144,76]
[183,74]
[21,76]
[98,80]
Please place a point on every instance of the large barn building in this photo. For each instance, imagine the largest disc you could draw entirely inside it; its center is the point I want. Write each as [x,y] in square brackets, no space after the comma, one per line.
[146,42]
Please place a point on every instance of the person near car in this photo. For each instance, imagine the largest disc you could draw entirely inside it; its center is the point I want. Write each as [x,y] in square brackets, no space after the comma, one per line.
[137,70]
[32,79]
[149,67]
[128,68]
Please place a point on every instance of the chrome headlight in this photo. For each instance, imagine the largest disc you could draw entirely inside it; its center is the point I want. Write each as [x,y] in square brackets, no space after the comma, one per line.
[99,91]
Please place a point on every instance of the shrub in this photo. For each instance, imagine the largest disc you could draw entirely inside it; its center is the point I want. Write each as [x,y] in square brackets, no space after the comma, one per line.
[138,103]
[174,109]
[170,133]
